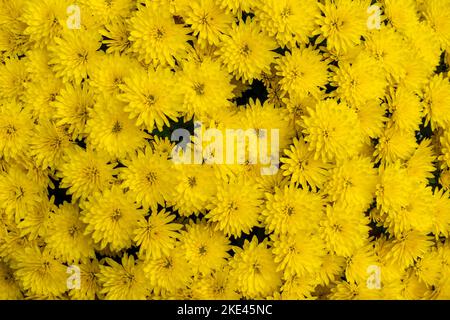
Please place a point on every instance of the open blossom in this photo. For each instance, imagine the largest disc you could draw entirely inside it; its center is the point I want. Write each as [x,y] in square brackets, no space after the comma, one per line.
[314,139]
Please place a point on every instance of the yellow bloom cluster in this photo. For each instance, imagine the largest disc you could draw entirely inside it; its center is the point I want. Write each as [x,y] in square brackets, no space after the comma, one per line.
[92,205]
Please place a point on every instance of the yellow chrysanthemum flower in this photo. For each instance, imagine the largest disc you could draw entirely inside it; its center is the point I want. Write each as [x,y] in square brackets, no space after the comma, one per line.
[298,253]
[408,247]
[353,183]
[394,188]
[116,36]
[206,249]
[353,291]
[156,235]
[72,108]
[301,167]
[89,283]
[359,81]
[401,14]
[149,177]
[146,96]
[18,194]
[155,37]
[236,207]
[45,20]
[206,87]
[254,269]
[208,21]
[36,221]
[218,286]
[14,77]
[15,131]
[332,131]
[388,49]
[85,172]
[259,116]
[168,273]
[246,51]
[302,72]
[437,13]
[110,130]
[371,116]
[9,288]
[40,96]
[109,74]
[50,144]
[40,273]
[105,11]
[195,189]
[436,102]
[123,281]
[421,165]
[341,224]
[290,22]
[66,239]
[342,23]
[111,218]
[238,6]
[395,145]
[406,110]
[358,264]
[74,55]
[291,210]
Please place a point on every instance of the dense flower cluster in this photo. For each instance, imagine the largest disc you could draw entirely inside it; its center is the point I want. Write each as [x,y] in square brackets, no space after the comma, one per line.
[91,90]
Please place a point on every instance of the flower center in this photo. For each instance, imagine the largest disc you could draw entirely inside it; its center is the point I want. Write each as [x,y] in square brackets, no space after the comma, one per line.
[116,215]
[199,88]
[117,127]
[151,177]
[245,50]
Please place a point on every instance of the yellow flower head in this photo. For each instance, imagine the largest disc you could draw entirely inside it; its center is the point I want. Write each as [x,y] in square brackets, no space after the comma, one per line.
[299,253]
[18,194]
[168,273]
[288,21]
[254,269]
[66,238]
[208,21]
[74,55]
[123,281]
[155,37]
[236,207]
[110,130]
[85,172]
[300,165]
[149,178]
[40,273]
[45,20]
[206,87]
[342,23]
[332,131]
[111,218]
[291,210]
[15,131]
[246,51]
[206,249]
[353,183]
[151,97]
[156,235]
[302,72]
[341,224]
